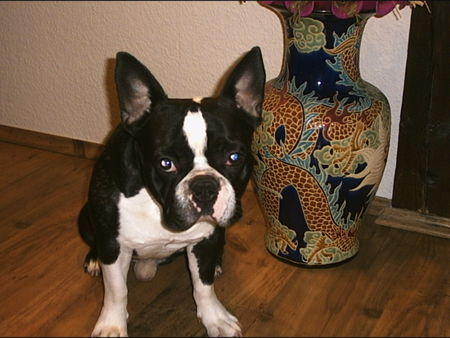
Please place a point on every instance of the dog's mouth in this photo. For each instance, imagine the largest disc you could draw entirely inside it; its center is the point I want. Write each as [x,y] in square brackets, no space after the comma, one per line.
[182,218]
[207,219]
[187,216]
[199,214]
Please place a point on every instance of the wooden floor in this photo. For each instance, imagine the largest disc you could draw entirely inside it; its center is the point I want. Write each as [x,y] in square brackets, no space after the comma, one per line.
[398,285]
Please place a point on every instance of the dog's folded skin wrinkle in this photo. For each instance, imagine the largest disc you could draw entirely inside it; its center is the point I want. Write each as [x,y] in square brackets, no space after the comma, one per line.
[169,181]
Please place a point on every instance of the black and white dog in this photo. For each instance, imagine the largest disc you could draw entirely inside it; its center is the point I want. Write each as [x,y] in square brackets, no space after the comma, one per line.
[170,179]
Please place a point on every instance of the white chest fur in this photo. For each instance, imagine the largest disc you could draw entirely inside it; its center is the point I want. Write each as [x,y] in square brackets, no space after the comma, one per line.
[141,229]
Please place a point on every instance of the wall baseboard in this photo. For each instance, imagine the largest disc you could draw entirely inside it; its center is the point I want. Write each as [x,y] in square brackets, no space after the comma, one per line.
[380,208]
[386,215]
[52,143]
[411,220]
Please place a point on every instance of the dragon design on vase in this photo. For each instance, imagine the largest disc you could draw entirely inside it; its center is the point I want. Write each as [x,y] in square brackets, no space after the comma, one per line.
[305,143]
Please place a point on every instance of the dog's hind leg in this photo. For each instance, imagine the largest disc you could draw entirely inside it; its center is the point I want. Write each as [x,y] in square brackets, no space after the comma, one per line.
[91,263]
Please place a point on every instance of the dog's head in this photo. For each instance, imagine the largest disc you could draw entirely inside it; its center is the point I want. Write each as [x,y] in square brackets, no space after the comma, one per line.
[195,154]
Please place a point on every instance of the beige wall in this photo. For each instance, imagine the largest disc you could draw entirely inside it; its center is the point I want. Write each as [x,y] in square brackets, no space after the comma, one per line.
[57,58]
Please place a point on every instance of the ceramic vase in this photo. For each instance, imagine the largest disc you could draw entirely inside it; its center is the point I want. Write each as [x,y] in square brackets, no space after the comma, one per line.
[322,146]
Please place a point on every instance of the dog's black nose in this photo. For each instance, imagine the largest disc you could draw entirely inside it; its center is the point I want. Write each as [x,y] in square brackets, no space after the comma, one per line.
[204,190]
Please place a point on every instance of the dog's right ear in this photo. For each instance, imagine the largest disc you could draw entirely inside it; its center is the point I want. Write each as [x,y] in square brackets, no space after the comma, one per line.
[137,88]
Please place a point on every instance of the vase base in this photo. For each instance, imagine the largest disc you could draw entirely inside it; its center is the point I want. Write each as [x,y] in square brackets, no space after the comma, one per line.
[313,266]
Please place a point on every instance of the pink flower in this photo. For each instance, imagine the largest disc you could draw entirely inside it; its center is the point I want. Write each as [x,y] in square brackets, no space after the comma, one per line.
[341,9]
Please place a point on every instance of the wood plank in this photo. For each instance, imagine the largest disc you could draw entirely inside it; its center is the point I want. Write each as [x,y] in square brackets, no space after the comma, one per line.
[39,240]
[396,286]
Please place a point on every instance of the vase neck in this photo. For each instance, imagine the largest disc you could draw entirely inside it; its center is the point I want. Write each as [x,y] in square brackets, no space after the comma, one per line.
[322,50]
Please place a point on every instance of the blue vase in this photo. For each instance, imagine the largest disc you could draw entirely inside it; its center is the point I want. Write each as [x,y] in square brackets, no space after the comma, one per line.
[322,147]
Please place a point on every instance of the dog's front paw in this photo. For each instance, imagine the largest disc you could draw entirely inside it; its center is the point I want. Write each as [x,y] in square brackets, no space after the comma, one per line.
[111,326]
[109,331]
[219,322]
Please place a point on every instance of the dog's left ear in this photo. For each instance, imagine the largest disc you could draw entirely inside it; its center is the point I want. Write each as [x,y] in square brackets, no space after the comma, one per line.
[245,85]
[137,88]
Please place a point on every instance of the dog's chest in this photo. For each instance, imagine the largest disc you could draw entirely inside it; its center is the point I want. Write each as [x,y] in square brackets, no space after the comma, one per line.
[140,228]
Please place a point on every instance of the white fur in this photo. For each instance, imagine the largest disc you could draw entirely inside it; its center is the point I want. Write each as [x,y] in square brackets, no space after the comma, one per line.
[113,318]
[140,228]
[194,128]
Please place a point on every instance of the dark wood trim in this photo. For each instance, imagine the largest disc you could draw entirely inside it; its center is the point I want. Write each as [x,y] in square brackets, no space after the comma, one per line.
[422,178]
[411,155]
[53,143]
[437,187]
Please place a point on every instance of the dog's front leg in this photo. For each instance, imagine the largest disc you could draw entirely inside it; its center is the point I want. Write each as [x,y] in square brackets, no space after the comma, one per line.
[113,318]
[216,319]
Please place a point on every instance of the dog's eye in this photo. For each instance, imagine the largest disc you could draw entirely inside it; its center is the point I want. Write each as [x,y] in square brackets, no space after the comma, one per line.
[233,158]
[167,165]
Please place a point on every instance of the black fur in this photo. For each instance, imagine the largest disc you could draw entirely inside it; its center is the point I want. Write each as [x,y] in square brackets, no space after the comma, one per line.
[209,255]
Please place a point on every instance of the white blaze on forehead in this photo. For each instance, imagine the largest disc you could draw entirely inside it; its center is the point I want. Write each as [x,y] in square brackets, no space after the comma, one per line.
[194,128]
